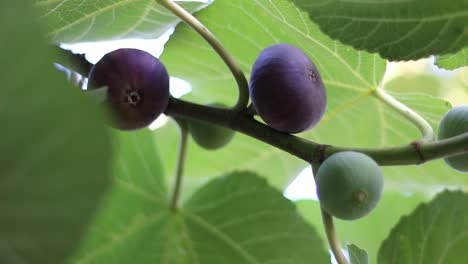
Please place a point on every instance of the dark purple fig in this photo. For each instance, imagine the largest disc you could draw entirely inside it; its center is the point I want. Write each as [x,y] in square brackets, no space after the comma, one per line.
[286,89]
[138,87]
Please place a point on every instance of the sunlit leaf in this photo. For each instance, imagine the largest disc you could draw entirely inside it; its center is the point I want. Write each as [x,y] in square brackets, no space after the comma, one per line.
[91,20]
[453,61]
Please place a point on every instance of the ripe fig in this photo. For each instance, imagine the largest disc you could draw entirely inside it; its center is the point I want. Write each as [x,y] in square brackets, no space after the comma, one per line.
[349,185]
[454,123]
[286,89]
[210,136]
[138,87]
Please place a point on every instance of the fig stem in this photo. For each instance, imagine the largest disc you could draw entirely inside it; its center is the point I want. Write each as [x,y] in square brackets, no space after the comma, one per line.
[73,61]
[189,19]
[329,226]
[305,149]
[423,126]
[251,110]
[181,158]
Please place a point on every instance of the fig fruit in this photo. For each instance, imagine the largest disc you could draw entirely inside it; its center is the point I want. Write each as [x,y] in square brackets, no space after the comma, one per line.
[454,123]
[286,89]
[349,185]
[138,87]
[210,136]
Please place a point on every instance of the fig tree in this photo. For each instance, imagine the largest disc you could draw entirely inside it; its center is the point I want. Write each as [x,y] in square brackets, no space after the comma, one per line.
[137,87]
[454,123]
[210,136]
[286,89]
[349,185]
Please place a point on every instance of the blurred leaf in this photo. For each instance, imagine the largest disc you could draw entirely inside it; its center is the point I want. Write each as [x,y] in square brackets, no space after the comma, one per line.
[436,232]
[91,20]
[367,232]
[416,83]
[398,30]
[235,219]
[55,150]
[357,255]
[136,211]
[354,117]
[453,61]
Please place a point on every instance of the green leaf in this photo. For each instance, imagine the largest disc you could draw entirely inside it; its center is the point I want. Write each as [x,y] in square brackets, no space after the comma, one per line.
[453,61]
[236,218]
[398,30]
[240,216]
[368,232]
[357,255]
[91,20]
[436,232]
[354,117]
[55,149]
[136,211]
[137,163]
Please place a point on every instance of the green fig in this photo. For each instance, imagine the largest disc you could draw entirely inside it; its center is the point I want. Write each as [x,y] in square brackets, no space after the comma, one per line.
[454,123]
[210,136]
[349,185]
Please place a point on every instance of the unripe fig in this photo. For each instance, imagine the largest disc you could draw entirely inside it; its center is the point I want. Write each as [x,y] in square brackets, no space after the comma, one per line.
[349,185]
[286,89]
[210,136]
[454,123]
[138,87]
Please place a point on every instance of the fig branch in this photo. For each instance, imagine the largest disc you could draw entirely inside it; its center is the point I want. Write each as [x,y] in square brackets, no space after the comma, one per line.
[233,66]
[312,152]
[425,128]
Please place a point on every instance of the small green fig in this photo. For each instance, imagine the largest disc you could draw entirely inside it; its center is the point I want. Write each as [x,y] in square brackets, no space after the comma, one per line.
[454,123]
[349,185]
[210,136]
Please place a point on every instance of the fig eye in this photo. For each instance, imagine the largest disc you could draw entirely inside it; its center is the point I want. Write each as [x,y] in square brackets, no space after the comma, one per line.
[132,98]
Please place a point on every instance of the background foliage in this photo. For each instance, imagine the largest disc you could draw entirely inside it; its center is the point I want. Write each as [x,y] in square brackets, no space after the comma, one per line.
[228,217]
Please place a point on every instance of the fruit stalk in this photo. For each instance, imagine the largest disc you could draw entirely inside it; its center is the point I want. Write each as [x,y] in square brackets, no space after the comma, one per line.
[73,61]
[310,151]
[329,227]
[181,158]
[425,128]
[233,66]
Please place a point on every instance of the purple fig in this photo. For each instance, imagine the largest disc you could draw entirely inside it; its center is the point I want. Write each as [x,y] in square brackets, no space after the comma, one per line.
[286,89]
[137,87]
